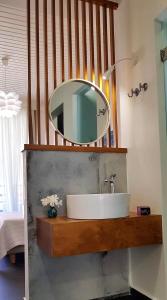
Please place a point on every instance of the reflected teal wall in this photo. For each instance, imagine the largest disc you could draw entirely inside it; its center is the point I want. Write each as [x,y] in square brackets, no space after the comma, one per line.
[86,119]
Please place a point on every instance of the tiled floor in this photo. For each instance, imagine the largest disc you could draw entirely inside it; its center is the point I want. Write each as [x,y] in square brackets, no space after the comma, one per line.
[12,279]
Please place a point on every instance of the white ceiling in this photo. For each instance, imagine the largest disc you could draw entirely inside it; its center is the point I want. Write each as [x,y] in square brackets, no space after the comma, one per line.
[13,43]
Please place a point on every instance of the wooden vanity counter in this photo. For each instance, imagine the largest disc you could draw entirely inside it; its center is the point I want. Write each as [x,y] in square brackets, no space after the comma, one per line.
[66,237]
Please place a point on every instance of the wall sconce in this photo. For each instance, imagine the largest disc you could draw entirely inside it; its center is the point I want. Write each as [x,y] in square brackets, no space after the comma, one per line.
[108,72]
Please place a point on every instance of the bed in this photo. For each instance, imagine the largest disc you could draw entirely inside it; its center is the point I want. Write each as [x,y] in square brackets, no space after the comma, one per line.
[11,234]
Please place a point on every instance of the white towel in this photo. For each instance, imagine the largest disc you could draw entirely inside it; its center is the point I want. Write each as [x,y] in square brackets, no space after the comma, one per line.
[11,232]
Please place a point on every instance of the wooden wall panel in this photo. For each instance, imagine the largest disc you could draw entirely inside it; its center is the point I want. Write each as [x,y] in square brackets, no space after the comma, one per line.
[45,29]
[38,106]
[29,104]
[85,49]
[105,67]
[113,78]
[84,41]
[91,43]
[69,36]
[53,17]
[76,20]
[98,57]
[61,30]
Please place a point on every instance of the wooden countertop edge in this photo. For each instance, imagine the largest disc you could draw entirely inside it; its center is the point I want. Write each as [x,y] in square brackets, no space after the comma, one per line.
[67,237]
[30,147]
[64,220]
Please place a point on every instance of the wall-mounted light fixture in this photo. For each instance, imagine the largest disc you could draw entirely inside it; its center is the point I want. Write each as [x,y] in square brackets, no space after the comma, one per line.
[108,72]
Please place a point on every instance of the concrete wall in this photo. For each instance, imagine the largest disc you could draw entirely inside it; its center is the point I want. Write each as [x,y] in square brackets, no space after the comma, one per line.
[81,277]
[136,35]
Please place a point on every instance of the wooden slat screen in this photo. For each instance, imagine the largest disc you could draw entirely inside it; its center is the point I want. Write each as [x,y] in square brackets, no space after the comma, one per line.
[45,30]
[30,127]
[68,39]
[38,129]
[53,22]
[113,91]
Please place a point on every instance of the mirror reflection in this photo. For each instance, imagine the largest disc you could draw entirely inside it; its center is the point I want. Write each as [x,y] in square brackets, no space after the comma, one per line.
[79,111]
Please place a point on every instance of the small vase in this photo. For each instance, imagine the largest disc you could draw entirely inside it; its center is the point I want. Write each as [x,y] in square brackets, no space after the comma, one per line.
[52,212]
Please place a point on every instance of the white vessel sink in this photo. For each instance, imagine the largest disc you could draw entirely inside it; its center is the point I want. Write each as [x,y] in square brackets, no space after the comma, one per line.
[98,206]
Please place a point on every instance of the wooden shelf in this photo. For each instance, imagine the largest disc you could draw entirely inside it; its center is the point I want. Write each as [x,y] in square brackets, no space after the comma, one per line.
[33,147]
[66,237]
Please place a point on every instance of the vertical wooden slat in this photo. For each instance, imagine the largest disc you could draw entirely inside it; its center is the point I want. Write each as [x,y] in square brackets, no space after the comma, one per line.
[77,56]
[30,128]
[53,17]
[98,45]
[113,95]
[61,19]
[84,42]
[105,57]
[69,36]
[35,127]
[91,42]
[46,68]
[38,106]
[105,42]
[76,18]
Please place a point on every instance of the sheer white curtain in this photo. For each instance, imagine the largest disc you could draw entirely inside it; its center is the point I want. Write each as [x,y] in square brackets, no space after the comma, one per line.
[13,135]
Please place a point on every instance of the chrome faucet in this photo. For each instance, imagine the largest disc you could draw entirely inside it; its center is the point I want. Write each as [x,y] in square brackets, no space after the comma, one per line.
[112,183]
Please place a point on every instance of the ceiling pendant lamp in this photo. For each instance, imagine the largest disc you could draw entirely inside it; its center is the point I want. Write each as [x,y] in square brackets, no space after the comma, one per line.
[10,104]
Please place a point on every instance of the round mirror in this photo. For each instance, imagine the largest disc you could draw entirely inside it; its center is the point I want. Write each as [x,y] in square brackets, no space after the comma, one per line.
[79,111]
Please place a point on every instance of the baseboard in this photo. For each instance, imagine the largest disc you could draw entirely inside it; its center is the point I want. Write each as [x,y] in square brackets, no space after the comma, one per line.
[118,296]
[137,295]
[132,295]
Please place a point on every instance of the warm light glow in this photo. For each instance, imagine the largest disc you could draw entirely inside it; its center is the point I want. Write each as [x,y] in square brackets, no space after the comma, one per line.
[86,75]
[107,91]
[100,82]
[10,104]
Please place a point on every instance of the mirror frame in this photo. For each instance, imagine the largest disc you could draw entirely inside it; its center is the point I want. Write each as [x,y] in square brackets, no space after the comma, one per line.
[104,99]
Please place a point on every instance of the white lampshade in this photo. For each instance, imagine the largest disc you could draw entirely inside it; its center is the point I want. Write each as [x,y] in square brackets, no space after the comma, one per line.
[10,104]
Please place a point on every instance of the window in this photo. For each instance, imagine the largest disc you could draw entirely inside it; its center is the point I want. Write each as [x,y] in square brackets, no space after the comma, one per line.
[13,134]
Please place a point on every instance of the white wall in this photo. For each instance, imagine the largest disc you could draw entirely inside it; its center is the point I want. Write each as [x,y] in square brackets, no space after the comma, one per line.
[139,126]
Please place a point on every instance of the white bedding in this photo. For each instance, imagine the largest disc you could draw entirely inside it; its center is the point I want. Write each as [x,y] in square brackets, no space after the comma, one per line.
[11,232]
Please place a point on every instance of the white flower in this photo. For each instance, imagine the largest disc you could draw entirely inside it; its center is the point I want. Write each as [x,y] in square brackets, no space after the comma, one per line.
[52,200]
[44,201]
